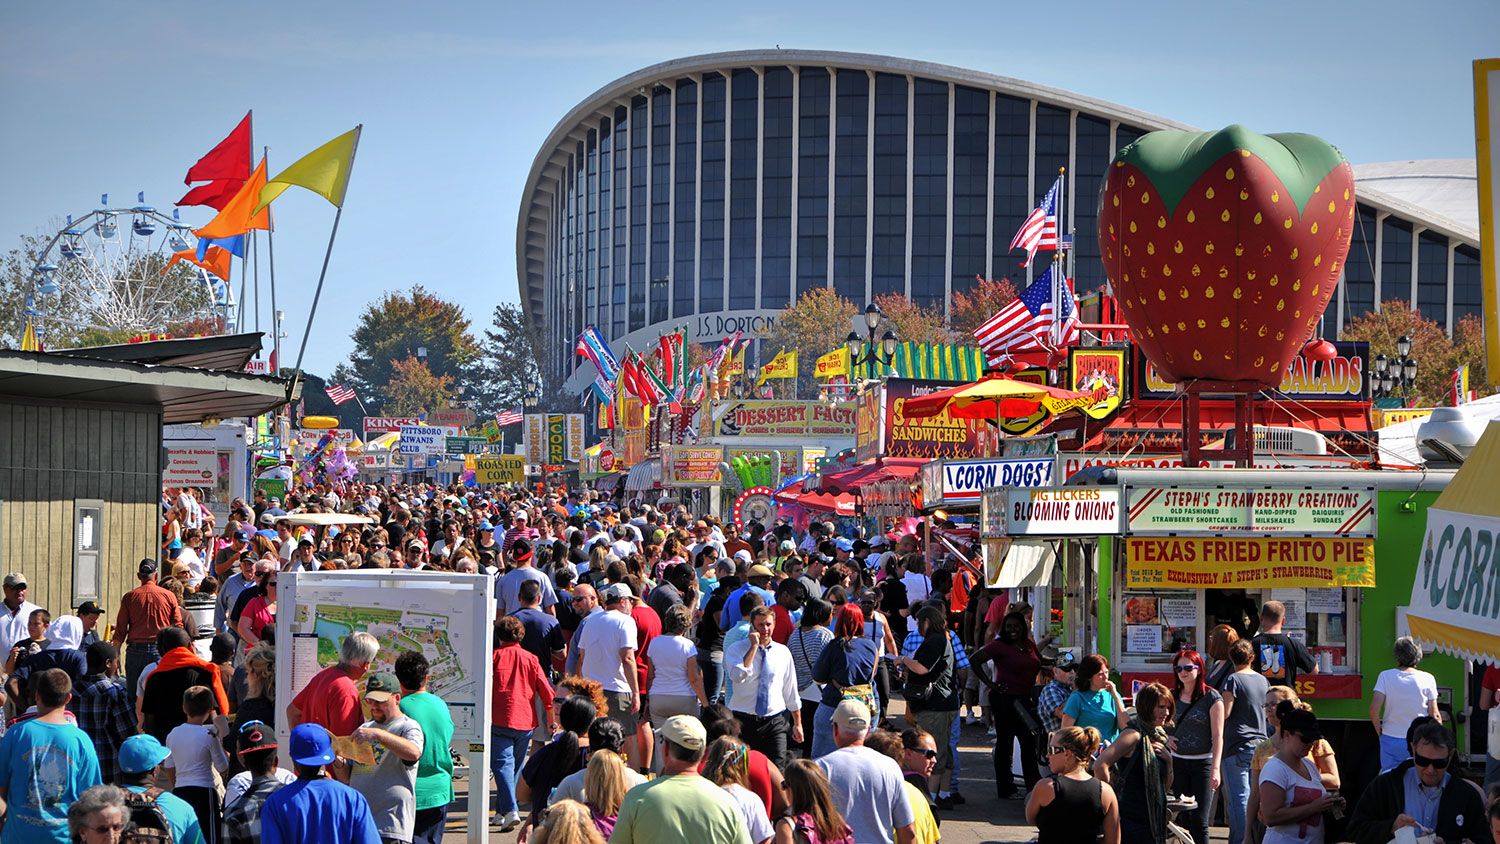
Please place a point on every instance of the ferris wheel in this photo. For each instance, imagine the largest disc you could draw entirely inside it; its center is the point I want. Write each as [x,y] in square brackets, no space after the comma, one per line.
[107,271]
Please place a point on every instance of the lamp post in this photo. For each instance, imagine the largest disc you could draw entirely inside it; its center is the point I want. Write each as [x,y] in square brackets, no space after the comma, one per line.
[882,351]
[744,386]
[1396,375]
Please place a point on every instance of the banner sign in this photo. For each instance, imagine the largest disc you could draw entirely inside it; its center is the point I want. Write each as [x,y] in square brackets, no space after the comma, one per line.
[387,424]
[936,437]
[993,509]
[1340,379]
[554,438]
[692,465]
[1304,511]
[500,469]
[1309,686]
[421,439]
[1062,511]
[962,481]
[192,466]
[784,419]
[1392,416]
[557,439]
[458,416]
[1454,586]
[575,437]
[1247,562]
[1071,462]
[1098,370]
[464,445]
[869,423]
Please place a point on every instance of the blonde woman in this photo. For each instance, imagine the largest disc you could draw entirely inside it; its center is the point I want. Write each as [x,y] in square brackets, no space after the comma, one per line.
[1070,805]
[566,822]
[727,765]
[605,784]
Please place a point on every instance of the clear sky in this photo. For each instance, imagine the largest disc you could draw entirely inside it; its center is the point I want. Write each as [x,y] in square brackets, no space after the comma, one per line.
[456,98]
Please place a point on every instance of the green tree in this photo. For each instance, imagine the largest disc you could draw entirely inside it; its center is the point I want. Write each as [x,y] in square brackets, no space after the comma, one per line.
[394,328]
[1435,353]
[414,388]
[814,325]
[512,364]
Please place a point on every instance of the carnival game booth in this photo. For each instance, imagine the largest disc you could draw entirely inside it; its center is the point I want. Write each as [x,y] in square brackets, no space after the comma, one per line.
[1199,547]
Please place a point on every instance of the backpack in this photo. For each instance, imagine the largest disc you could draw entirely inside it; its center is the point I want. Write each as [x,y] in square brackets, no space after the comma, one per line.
[146,823]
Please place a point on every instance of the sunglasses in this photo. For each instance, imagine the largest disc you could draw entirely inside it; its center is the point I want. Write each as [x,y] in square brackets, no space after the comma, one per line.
[1056,749]
[925,753]
[1185,669]
[1440,762]
[107,829]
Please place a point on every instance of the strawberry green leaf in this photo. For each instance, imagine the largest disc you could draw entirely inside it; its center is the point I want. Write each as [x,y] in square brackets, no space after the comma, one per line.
[1173,161]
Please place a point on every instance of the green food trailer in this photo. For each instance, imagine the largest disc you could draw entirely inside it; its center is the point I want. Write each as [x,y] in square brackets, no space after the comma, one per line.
[1199,547]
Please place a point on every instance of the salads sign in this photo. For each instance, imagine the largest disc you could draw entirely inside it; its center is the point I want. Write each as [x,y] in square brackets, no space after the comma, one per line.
[1339,379]
[1297,511]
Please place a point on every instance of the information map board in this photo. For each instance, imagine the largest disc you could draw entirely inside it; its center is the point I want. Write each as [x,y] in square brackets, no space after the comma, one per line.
[448,617]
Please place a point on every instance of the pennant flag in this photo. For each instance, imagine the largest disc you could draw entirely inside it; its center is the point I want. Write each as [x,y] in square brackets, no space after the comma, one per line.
[225,168]
[216,261]
[29,342]
[236,217]
[491,431]
[324,171]
[734,364]
[592,345]
[725,349]
[1458,385]
[784,365]
[233,245]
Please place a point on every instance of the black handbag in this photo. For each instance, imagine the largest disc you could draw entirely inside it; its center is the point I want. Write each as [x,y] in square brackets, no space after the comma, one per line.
[921,688]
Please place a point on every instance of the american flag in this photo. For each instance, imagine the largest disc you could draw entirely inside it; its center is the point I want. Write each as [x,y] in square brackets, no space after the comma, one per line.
[1026,323]
[1040,229]
[340,393]
[509,417]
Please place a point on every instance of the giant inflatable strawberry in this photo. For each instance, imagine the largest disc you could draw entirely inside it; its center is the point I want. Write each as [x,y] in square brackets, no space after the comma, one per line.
[1224,247]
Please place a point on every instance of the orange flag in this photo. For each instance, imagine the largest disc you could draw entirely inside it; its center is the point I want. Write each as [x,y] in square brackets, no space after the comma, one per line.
[216,261]
[238,215]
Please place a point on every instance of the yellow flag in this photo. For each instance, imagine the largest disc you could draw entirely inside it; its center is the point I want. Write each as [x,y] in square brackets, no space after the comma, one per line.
[784,365]
[324,171]
[834,363]
[28,339]
[733,365]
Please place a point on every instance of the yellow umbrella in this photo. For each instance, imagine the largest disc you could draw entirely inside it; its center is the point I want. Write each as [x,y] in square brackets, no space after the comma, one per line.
[996,397]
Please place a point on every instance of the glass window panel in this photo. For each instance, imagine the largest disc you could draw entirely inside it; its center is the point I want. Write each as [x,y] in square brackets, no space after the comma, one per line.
[1359,268]
[929,234]
[1432,277]
[661,203]
[1395,263]
[684,280]
[606,222]
[776,191]
[743,169]
[639,173]
[621,229]
[971,148]
[1091,161]
[711,204]
[1012,192]
[591,229]
[889,208]
[1468,286]
[812,179]
[851,189]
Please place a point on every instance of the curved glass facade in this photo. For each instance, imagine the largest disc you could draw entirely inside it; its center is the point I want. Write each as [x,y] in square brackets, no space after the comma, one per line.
[733,191]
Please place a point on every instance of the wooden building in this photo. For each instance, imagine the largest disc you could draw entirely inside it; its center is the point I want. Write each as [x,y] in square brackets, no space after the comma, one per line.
[81,454]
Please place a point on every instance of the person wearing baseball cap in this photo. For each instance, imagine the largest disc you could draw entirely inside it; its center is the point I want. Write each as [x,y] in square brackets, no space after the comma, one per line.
[316,807]
[246,792]
[758,580]
[390,784]
[607,654]
[140,760]
[680,800]
[866,785]
[88,613]
[144,612]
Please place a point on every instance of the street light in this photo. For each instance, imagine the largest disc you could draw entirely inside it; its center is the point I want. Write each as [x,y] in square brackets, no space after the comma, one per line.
[1395,375]
[882,352]
[744,386]
[532,397]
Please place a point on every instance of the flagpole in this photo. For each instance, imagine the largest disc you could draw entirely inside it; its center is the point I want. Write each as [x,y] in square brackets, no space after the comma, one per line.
[323,273]
[265,153]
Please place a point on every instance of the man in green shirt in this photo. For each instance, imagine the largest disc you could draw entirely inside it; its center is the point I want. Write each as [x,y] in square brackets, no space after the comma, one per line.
[680,806]
[435,768]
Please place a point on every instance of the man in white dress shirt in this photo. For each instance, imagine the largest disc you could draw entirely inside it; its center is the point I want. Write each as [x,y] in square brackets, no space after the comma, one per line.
[765,699]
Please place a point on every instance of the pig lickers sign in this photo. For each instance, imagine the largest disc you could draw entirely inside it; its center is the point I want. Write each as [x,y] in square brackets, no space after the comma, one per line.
[1224,247]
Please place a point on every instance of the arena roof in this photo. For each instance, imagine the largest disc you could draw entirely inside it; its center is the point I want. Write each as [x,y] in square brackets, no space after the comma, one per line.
[1405,194]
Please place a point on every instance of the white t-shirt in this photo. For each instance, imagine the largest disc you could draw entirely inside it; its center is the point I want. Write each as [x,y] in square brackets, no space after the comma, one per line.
[196,569]
[669,658]
[195,754]
[1407,694]
[918,586]
[240,783]
[600,643]
[1300,789]
[752,811]
[622,547]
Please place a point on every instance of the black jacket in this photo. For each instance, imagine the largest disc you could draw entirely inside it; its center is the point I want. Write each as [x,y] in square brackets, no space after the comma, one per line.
[1460,815]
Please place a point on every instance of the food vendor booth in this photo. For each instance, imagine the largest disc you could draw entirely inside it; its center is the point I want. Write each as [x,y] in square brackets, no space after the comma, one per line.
[1198,547]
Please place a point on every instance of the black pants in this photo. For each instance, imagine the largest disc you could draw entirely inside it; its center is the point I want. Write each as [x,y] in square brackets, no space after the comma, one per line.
[711,676]
[1008,729]
[137,656]
[430,826]
[1190,778]
[205,803]
[809,714]
[768,735]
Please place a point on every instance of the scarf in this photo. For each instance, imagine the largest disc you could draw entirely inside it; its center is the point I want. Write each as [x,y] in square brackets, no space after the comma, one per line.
[1156,795]
[185,658]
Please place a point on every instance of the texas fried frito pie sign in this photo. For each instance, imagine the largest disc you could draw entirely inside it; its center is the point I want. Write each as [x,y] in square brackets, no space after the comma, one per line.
[1247,562]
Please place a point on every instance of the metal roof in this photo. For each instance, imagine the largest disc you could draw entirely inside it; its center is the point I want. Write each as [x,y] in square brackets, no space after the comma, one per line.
[1448,187]
[183,394]
[225,353]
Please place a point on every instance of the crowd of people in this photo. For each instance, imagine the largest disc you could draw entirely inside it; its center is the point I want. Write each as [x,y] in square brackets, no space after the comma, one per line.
[656,672]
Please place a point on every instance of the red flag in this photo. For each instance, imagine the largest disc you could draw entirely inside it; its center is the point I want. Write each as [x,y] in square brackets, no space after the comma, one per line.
[225,168]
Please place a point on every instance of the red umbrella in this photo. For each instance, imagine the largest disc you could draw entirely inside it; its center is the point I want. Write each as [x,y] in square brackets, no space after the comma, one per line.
[997,397]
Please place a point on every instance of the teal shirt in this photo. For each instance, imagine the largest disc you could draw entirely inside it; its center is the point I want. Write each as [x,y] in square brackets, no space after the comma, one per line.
[435,767]
[180,816]
[43,770]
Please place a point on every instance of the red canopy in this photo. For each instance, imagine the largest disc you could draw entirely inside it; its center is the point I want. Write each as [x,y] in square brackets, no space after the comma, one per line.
[883,469]
[793,494]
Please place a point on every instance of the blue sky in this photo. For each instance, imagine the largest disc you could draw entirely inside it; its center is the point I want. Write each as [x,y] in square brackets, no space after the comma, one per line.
[457,97]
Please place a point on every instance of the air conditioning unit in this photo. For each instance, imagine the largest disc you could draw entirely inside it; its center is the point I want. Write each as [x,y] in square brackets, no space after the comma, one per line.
[1278,440]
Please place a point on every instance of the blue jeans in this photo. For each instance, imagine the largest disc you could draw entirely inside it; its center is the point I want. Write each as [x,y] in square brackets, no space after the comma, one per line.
[507,753]
[1234,770]
[953,734]
[1393,751]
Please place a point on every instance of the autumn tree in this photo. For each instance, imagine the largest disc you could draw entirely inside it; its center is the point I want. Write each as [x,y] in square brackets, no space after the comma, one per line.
[814,325]
[512,364]
[1435,353]
[414,388]
[970,310]
[393,329]
[911,321]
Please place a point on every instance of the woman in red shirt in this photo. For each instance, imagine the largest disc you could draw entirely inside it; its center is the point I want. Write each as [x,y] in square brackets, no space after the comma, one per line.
[519,680]
[1016,665]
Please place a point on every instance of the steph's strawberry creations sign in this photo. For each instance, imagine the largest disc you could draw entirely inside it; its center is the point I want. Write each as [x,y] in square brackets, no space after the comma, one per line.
[1224,247]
